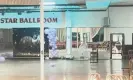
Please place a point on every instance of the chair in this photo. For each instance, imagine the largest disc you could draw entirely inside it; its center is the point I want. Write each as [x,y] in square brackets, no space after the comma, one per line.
[116,77]
[130,63]
[94,54]
[94,76]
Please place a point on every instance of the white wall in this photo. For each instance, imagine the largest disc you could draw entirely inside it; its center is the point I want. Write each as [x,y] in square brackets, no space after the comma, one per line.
[121,20]
[127,32]
[121,16]
[88,19]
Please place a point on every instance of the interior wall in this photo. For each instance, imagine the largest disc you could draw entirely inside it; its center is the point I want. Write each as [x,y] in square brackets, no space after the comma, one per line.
[7,34]
[78,19]
[121,16]
[1,35]
[120,22]
[88,19]
[127,32]
[6,38]
[1,39]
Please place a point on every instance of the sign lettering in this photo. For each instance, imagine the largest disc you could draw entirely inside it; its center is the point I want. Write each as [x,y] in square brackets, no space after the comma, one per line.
[27,20]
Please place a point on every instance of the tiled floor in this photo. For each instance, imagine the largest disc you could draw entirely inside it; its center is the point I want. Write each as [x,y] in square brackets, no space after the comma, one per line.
[58,69]
[75,52]
[61,69]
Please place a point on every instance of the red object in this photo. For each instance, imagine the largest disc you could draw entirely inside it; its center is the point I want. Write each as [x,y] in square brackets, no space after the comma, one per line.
[74,44]
[61,45]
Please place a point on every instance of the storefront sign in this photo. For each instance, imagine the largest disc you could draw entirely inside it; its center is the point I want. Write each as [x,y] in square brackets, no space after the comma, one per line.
[27,20]
[32,20]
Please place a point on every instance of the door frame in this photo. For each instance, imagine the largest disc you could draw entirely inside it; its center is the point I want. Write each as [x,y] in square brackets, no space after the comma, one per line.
[123,42]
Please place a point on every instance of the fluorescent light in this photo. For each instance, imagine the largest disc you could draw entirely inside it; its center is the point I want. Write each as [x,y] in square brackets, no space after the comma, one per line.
[48,3]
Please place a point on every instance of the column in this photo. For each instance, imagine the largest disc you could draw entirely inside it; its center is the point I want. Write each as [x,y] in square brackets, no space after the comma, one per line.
[42,39]
[69,41]
[81,35]
[68,34]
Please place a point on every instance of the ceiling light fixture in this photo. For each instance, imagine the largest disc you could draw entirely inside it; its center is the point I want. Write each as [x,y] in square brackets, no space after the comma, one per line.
[48,3]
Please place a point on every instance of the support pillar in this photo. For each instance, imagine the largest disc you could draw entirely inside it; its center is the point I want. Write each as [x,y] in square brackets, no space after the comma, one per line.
[69,36]
[41,40]
[81,35]
[69,41]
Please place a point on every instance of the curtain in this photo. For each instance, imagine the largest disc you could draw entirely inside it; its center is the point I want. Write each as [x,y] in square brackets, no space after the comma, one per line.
[94,31]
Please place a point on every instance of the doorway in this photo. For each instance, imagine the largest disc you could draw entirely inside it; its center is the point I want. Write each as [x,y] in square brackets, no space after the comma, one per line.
[117,43]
